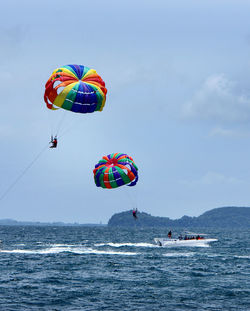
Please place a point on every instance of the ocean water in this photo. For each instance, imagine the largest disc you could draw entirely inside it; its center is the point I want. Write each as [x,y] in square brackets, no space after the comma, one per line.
[101,268]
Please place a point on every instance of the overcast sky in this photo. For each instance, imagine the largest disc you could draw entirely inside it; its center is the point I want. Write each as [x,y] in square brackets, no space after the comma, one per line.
[178,102]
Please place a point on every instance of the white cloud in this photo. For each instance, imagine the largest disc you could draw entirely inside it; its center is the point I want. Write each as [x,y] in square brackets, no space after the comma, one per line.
[218,100]
[230,133]
[12,41]
[213,178]
[218,131]
[216,178]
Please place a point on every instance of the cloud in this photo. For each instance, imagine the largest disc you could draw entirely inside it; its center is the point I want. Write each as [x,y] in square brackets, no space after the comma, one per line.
[12,40]
[229,133]
[218,100]
[216,178]
[213,178]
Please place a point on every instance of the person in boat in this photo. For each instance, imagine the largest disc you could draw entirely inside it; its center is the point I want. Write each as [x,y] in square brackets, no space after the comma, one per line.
[180,237]
[170,234]
[199,237]
[135,213]
[53,142]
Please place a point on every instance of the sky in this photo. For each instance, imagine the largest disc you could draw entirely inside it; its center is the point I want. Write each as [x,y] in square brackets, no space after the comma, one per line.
[178,102]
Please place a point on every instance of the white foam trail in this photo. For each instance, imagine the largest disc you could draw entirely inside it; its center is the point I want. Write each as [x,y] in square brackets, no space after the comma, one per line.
[126,244]
[57,250]
[201,245]
[243,256]
[214,255]
[19,251]
[93,251]
[181,245]
[178,254]
[53,250]
[64,245]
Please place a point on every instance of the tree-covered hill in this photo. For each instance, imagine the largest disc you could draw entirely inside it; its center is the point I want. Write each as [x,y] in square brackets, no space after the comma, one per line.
[222,217]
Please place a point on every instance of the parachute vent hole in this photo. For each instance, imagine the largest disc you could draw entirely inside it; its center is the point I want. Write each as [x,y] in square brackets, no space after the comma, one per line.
[56,83]
[59,90]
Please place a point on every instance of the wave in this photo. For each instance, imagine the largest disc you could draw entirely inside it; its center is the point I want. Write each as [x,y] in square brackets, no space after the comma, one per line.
[183,246]
[64,245]
[178,254]
[242,256]
[126,244]
[55,249]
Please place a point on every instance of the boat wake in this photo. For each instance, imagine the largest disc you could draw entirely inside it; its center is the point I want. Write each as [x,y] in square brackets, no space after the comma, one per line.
[64,248]
[179,254]
[117,245]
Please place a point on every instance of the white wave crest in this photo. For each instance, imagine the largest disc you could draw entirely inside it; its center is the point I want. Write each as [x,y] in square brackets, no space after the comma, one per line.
[126,244]
[243,256]
[178,254]
[57,250]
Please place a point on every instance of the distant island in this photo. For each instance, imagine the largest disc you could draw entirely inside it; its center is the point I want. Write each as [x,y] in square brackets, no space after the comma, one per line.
[222,217]
[11,222]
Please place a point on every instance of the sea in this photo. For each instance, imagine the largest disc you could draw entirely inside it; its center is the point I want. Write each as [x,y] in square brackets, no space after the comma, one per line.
[102,268]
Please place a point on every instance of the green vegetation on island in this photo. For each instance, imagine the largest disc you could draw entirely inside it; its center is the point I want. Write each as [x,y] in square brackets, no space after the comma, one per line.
[222,217]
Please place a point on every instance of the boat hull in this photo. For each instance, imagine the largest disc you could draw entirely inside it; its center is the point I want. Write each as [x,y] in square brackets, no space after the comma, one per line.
[176,242]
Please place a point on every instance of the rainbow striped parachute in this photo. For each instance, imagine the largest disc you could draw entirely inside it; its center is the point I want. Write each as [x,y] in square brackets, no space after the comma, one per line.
[115,170]
[75,88]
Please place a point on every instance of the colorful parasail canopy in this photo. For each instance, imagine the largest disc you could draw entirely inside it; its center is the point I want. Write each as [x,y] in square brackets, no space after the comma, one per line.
[75,88]
[115,170]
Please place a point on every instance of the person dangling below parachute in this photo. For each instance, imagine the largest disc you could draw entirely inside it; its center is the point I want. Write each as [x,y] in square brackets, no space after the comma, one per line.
[135,213]
[53,142]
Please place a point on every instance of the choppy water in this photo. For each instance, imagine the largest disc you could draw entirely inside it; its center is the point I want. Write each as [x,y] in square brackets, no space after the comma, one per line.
[99,268]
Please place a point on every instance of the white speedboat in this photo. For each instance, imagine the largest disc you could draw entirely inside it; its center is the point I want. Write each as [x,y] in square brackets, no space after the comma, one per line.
[188,241]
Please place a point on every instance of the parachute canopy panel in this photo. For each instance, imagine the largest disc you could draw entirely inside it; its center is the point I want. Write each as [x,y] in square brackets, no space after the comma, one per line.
[115,170]
[75,88]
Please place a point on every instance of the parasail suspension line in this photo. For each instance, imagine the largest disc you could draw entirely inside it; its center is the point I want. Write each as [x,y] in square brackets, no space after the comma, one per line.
[23,173]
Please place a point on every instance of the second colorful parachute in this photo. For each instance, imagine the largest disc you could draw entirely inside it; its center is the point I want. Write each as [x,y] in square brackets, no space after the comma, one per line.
[115,170]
